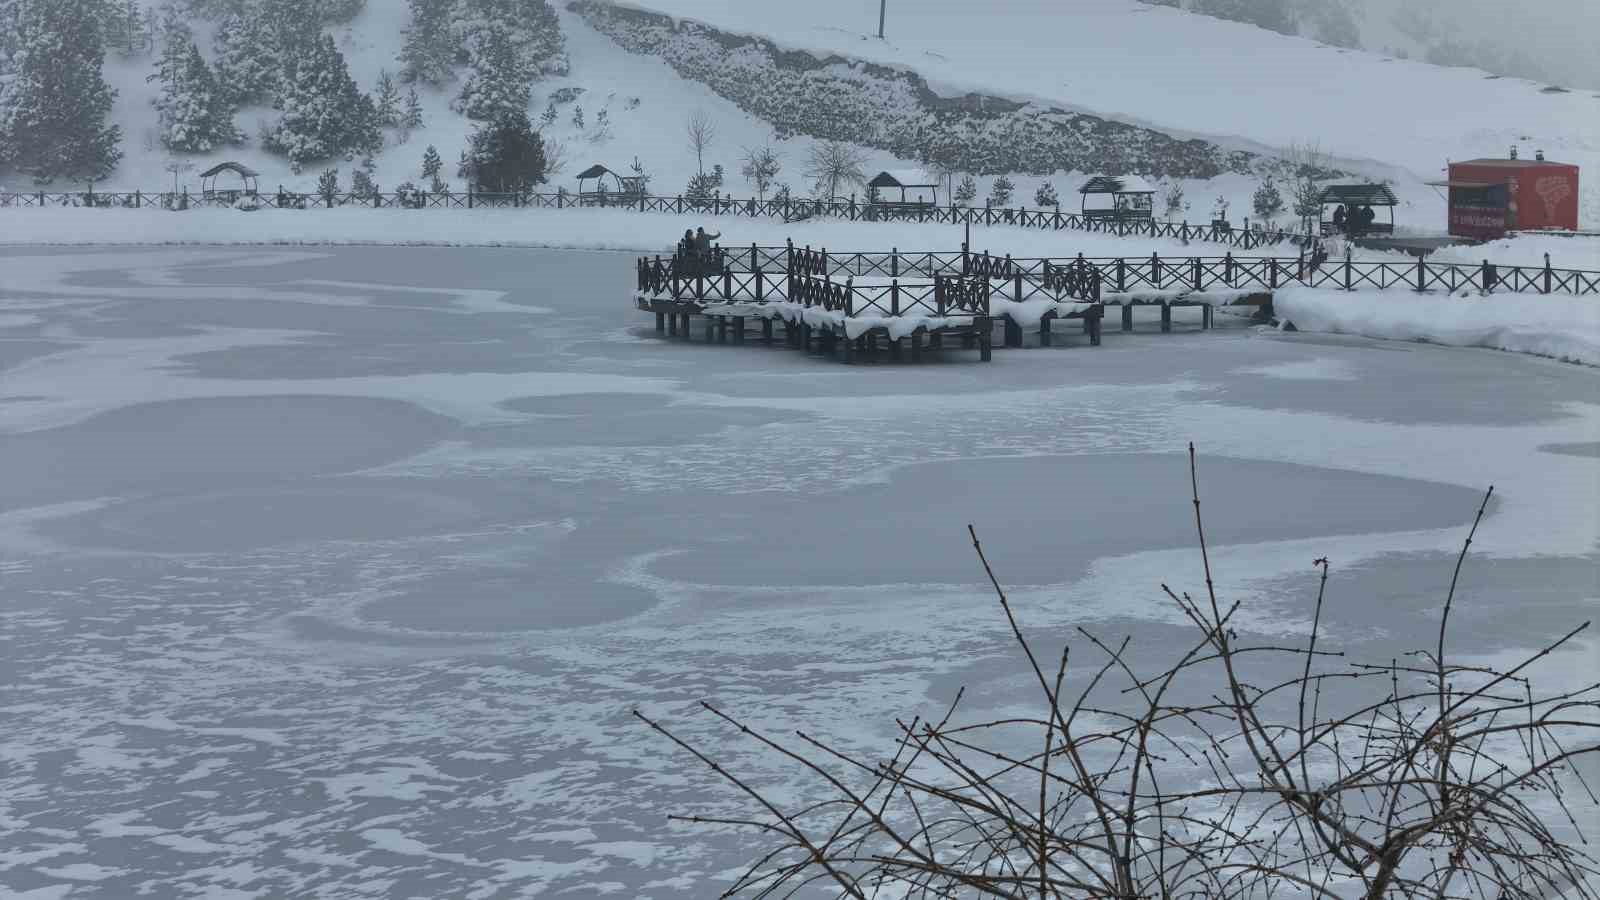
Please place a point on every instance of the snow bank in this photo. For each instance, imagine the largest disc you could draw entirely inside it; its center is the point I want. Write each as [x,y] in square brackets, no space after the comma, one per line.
[1565,328]
[1575,252]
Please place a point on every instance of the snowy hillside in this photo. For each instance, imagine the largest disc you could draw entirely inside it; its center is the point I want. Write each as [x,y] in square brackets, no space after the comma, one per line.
[1239,87]
[1194,75]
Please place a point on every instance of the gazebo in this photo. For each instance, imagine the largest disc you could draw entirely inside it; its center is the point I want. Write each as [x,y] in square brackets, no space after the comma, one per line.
[607,183]
[906,180]
[247,179]
[1131,197]
[1355,196]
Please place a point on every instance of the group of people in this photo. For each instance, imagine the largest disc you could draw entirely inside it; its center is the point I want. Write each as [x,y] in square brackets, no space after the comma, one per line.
[696,252]
[1355,220]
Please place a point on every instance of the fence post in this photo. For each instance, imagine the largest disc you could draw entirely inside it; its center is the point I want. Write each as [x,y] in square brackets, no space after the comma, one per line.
[1272,273]
[1227,268]
[1487,276]
[1122,275]
[1422,273]
[377,200]
[1347,266]
[894,297]
[1547,273]
[894,262]
[1155,269]
[1195,262]
[469,196]
[825,271]
[966,264]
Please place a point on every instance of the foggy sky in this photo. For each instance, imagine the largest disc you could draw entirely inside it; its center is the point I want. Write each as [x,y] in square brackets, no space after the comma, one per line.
[1562,36]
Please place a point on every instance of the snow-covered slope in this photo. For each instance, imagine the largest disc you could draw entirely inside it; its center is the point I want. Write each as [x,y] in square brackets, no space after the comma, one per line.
[1187,75]
[1194,75]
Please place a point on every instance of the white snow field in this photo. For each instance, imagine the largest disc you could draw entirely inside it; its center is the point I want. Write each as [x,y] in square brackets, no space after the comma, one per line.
[336,572]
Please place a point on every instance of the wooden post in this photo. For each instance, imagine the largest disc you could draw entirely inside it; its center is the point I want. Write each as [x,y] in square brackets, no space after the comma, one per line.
[1227,269]
[1122,275]
[1166,317]
[469,196]
[672,324]
[1272,273]
[1195,261]
[138,202]
[766,330]
[1348,284]
[1094,330]
[916,346]
[894,297]
[1547,273]
[894,261]
[1127,316]
[1044,329]
[711,327]
[661,322]
[1422,273]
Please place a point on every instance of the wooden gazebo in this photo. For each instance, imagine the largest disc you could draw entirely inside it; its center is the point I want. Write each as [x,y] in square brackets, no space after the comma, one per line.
[927,190]
[1131,197]
[247,181]
[597,182]
[1353,197]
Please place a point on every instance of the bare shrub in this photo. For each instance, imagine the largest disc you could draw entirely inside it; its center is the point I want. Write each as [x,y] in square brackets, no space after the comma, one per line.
[1226,773]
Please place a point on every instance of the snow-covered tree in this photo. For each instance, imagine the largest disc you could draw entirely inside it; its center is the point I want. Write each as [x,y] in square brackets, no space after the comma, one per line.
[411,115]
[1267,202]
[429,54]
[966,191]
[1175,204]
[505,155]
[124,27]
[705,185]
[548,117]
[386,97]
[498,84]
[835,166]
[1046,196]
[431,163]
[53,123]
[195,115]
[1000,191]
[1273,15]
[247,59]
[361,183]
[324,113]
[577,116]
[531,27]
[328,185]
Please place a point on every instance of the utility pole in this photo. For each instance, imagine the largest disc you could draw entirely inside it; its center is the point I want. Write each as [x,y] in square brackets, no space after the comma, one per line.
[882,5]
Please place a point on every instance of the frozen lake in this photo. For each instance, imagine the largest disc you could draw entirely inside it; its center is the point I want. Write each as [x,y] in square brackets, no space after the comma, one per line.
[338,572]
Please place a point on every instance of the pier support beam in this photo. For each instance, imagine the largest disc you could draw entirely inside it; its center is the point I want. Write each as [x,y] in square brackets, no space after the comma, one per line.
[916,346]
[1166,318]
[672,323]
[1013,333]
[985,341]
[1044,329]
[1205,317]
[1127,316]
[766,331]
[661,322]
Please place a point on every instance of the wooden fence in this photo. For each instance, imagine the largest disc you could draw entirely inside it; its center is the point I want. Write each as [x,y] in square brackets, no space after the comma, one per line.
[788,209]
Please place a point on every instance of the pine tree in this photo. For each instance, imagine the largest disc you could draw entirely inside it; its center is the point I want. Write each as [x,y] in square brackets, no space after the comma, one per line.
[548,117]
[411,118]
[498,84]
[245,49]
[324,113]
[328,185]
[430,49]
[506,155]
[361,183]
[1000,191]
[387,100]
[1046,196]
[195,115]
[577,115]
[54,120]
[1267,202]
[966,191]
[431,163]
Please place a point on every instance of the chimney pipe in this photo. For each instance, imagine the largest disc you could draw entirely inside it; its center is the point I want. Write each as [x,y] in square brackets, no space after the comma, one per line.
[1513,151]
[1539,155]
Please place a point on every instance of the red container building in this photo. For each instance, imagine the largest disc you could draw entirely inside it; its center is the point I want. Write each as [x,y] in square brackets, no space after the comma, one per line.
[1489,197]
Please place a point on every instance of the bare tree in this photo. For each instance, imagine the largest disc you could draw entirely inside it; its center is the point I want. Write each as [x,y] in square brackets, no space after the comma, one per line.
[761,167]
[702,134]
[834,164]
[556,156]
[1310,165]
[1233,769]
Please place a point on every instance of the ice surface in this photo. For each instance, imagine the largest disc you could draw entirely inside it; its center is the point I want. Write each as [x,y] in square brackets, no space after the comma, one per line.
[336,572]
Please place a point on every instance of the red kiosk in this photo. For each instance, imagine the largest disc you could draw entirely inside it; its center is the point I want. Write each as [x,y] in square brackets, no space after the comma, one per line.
[1489,197]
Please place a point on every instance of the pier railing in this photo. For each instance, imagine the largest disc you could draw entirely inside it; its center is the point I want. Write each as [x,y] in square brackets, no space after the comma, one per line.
[1132,274]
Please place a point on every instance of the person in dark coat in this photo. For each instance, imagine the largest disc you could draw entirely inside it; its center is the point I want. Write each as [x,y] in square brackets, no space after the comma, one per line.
[1368,216]
[1338,218]
[702,241]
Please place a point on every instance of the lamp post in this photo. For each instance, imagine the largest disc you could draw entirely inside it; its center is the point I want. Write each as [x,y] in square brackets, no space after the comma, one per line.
[882,5]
